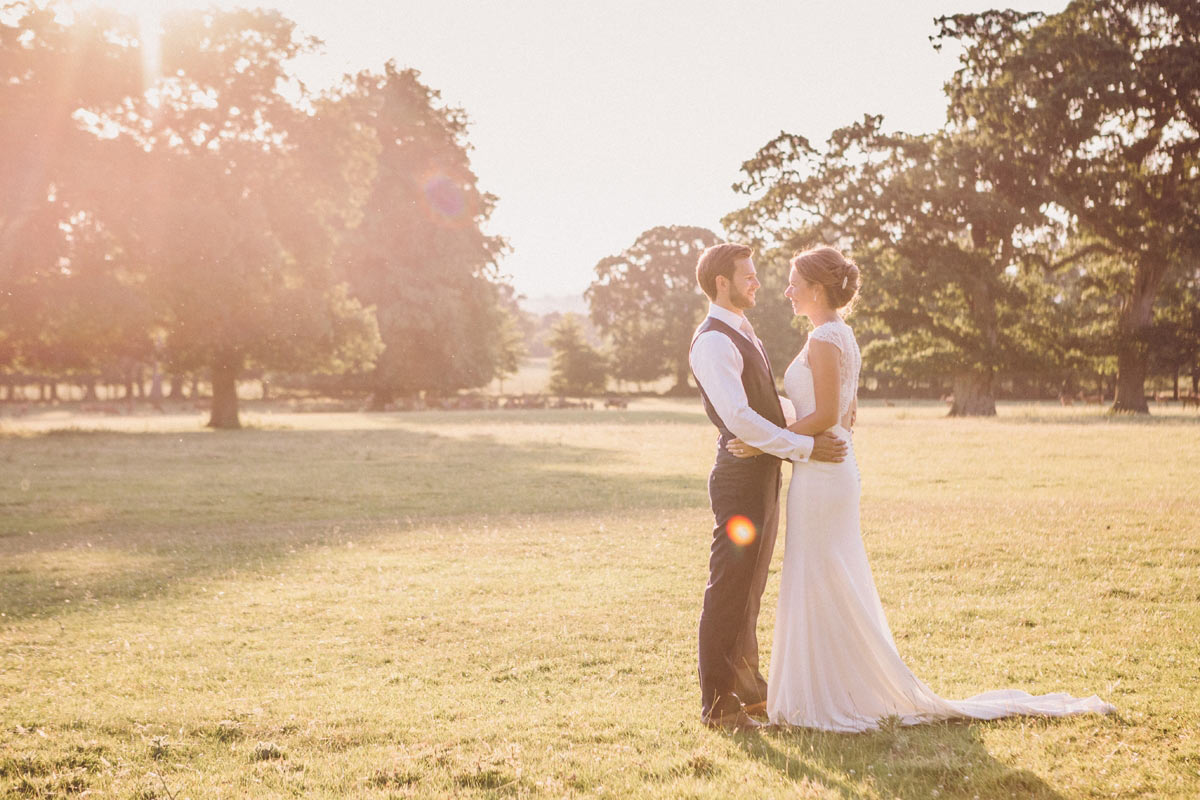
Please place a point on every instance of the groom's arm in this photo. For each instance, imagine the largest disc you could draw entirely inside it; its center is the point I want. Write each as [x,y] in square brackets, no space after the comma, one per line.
[717,365]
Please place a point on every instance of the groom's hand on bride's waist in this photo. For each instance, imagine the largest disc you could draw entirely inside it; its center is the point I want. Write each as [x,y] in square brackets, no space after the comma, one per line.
[827,447]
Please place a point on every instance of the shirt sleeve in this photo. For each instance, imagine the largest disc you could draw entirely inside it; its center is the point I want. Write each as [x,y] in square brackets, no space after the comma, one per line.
[717,365]
[789,410]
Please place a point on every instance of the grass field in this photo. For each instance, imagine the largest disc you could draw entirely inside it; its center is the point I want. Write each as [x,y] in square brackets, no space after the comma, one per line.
[504,604]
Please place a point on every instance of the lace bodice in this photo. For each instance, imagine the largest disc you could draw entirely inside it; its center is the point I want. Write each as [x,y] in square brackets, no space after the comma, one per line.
[798,383]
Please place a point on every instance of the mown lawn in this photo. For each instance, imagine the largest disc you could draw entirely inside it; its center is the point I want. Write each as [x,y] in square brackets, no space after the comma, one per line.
[503,604]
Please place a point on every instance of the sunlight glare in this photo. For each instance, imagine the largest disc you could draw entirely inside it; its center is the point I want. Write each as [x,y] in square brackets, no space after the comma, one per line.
[148,15]
[741,530]
[149,20]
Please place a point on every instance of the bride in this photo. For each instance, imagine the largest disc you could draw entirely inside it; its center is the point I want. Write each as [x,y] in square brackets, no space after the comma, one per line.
[834,665]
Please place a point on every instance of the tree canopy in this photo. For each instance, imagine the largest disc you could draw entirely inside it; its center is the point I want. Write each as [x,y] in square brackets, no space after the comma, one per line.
[1096,111]
[217,206]
[419,254]
[1067,168]
[576,368]
[646,302]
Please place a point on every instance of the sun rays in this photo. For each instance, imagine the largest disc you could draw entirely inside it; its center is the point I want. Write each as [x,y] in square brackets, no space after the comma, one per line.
[149,26]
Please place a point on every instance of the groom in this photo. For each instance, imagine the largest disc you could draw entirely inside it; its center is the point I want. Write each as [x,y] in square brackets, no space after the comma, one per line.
[738,390]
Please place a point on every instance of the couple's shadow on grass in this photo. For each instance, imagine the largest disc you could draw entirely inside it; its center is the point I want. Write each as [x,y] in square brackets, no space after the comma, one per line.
[154,509]
[946,759]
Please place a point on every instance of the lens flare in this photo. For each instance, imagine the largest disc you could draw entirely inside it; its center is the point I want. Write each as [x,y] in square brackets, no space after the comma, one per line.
[740,530]
[444,197]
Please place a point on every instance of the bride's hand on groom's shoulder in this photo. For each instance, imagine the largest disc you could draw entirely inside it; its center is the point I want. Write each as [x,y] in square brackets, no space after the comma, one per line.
[742,450]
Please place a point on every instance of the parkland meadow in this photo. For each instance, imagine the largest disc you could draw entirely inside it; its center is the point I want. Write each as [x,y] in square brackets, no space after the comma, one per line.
[504,604]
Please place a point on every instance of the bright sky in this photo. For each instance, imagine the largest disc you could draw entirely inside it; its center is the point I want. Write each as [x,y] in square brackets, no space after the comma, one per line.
[594,120]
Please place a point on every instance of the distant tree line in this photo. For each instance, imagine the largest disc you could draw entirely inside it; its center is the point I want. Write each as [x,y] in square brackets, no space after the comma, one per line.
[1047,236]
[209,215]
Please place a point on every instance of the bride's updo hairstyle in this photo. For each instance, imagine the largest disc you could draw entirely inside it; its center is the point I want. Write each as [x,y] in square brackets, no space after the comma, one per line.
[831,269]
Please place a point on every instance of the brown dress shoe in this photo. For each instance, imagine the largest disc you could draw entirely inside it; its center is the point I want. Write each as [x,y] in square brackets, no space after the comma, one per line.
[736,722]
[758,709]
[727,714]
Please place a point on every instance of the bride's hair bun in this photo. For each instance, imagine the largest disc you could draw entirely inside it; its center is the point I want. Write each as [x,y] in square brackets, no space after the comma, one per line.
[828,267]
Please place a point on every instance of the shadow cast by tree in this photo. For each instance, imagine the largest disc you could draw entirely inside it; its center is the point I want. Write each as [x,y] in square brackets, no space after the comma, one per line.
[117,516]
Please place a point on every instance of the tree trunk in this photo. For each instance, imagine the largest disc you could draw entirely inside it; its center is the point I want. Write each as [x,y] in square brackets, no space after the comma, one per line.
[156,385]
[266,388]
[1133,349]
[89,390]
[195,393]
[380,399]
[1196,381]
[1175,394]
[974,395]
[681,387]
[1130,395]
[174,387]
[225,372]
[383,393]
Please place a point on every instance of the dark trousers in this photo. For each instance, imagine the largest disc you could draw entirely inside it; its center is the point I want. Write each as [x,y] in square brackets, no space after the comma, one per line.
[737,576]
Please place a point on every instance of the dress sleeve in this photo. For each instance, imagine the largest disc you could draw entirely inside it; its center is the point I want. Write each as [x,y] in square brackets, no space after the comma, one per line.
[829,333]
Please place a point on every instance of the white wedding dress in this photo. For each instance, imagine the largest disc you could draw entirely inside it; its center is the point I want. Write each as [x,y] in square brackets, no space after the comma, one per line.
[834,664]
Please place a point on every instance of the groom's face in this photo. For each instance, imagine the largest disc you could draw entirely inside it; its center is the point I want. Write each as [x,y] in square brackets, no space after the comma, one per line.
[744,284]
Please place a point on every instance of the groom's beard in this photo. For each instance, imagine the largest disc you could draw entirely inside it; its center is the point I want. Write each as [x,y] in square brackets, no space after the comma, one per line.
[739,300]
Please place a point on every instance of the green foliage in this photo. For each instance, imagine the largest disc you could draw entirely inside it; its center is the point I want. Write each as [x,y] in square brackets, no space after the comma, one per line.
[63,307]
[222,206]
[1083,318]
[646,302]
[207,195]
[1094,110]
[1072,146]
[1175,336]
[576,368]
[508,344]
[939,248]
[419,255]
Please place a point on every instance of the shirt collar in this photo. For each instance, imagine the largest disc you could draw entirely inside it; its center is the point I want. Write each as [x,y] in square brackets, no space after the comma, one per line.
[725,315]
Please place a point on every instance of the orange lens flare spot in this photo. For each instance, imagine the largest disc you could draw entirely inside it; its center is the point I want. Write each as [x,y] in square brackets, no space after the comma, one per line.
[740,530]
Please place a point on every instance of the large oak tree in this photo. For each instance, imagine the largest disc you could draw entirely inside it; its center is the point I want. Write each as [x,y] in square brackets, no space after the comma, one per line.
[943,253]
[229,196]
[1096,110]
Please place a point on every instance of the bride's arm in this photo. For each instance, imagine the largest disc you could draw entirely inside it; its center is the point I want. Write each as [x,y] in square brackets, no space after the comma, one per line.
[823,361]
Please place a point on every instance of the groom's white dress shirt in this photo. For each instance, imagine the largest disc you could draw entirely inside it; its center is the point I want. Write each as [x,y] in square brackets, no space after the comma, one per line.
[717,365]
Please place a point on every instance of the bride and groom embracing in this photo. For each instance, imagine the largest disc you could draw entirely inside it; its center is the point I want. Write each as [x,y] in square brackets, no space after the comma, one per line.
[834,664]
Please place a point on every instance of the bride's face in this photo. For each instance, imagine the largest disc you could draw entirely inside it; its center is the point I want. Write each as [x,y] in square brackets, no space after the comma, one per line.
[804,295]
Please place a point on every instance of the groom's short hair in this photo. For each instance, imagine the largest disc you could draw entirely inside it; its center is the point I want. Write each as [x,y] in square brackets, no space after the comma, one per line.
[719,260]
